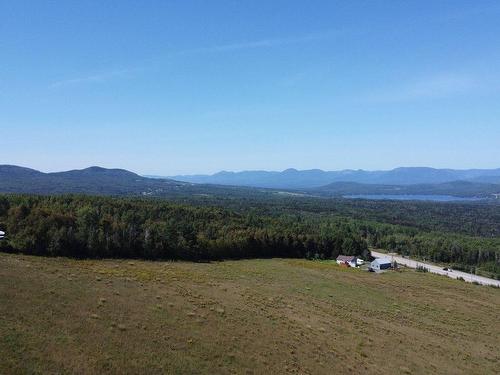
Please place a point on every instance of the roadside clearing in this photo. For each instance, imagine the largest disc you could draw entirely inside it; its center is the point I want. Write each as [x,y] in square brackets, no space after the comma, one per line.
[438,270]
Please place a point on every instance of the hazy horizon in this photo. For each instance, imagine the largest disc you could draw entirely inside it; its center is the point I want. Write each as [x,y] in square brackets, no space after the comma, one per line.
[245,170]
[198,87]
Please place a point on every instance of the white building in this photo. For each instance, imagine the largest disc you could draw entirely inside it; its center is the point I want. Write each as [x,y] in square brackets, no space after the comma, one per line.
[350,260]
[380,264]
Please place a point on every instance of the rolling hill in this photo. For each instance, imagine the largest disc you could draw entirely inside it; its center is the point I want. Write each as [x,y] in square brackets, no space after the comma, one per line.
[93,180]
[269,316]
[113,182]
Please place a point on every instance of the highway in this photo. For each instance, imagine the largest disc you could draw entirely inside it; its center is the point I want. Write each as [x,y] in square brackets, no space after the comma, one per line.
[436,269]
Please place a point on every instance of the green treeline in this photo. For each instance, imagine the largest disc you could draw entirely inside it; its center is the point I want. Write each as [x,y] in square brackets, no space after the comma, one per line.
[103,227]
[79,226]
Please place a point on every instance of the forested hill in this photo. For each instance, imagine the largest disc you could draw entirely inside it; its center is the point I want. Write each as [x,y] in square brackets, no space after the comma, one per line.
[102,181]
[93,180]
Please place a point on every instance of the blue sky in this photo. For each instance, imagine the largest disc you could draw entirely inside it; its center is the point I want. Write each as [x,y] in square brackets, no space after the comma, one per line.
[171,87]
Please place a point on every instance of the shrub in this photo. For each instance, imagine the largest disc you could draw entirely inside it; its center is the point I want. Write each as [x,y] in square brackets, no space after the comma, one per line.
[421,268]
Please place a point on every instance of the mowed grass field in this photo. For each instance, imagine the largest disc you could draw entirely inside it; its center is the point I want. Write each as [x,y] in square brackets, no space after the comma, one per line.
[272,316]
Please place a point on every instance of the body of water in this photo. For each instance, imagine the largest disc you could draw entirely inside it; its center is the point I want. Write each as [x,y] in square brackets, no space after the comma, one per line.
[412,197]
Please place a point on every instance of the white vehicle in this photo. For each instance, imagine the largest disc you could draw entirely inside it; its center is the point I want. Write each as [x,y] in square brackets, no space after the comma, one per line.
[360,262]
[2,234]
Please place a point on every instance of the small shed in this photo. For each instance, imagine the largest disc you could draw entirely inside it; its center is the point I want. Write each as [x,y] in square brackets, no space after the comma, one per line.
[350,260]
[381,264]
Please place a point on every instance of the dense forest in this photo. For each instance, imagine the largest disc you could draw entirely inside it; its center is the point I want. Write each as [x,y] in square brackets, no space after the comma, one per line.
[467,218]
[100,227]
[80,226]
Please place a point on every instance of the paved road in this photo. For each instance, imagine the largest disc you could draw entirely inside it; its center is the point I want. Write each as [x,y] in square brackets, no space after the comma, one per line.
[439,270]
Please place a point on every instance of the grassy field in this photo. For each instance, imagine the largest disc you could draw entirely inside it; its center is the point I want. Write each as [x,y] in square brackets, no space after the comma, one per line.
[240,317]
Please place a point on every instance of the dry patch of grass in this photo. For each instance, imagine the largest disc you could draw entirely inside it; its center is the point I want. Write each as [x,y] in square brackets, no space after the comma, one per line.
[252,316]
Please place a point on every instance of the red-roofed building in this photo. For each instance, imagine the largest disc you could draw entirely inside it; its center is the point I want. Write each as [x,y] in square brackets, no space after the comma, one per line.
[350,260]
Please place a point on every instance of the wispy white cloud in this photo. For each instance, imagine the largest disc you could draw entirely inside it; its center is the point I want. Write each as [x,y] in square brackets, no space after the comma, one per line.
[435,87]
[262,43]
[100,77]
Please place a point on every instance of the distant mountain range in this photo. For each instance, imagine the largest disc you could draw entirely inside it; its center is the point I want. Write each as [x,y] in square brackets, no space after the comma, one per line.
[313,178]
[115,182]
[102,181]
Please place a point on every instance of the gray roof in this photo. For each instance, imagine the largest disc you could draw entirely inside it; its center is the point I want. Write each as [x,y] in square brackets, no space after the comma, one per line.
[382,260]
